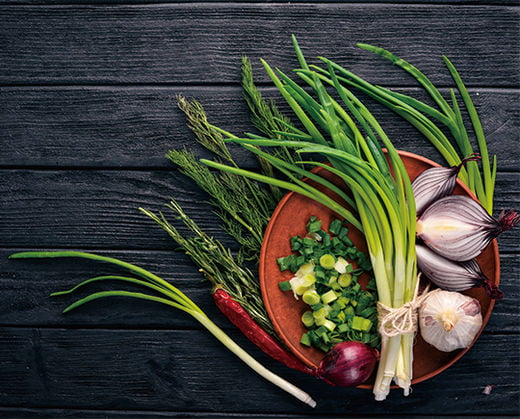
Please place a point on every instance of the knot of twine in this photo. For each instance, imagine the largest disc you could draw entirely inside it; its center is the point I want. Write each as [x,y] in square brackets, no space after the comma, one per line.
[401,320]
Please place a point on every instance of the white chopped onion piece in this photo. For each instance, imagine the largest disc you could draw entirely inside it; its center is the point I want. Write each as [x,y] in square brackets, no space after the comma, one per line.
[341,265]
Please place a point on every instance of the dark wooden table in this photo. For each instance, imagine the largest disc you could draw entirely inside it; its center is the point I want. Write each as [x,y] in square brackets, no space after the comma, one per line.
[88,110]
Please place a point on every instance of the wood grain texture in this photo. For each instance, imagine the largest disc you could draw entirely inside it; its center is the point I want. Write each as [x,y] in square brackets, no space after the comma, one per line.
[204,42]
[17,413]
[76,207]
[90,2]
[98,208]
[87,111]
[25,287]
[171,370]
[75,126]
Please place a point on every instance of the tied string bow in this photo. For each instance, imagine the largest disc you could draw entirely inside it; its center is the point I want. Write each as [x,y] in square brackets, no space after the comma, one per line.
[401,320]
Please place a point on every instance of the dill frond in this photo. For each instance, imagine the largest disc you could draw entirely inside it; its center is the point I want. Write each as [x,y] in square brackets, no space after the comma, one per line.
[216,263]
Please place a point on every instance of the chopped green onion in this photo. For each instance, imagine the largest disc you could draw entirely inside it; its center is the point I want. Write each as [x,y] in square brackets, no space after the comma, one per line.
[311,297]
[335,226]
[344,280]
[329,297]
[328,261]
[306,340]
[360,323]
[329,325]
[308,319]
[285,285]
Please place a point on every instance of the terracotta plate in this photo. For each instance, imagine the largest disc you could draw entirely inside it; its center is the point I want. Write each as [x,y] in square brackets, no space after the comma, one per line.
[290,218]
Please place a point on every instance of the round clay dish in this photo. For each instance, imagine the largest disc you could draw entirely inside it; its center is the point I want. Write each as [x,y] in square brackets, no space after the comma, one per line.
[290,218]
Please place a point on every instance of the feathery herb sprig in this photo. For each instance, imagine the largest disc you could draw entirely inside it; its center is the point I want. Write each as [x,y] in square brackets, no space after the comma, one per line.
[266,117]
[241,217]
[244,206]
[217,264]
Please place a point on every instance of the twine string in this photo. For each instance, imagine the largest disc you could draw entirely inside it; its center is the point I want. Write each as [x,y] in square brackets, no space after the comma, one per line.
[401,320]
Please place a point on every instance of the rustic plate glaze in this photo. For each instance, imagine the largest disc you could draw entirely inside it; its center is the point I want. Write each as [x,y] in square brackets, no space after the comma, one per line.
[290,218]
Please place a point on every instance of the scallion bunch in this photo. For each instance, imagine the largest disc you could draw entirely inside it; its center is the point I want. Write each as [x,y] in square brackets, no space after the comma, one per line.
[346,134]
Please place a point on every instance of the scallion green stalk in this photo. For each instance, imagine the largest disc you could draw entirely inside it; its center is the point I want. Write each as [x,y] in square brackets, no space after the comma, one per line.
[171,296]
[454,150]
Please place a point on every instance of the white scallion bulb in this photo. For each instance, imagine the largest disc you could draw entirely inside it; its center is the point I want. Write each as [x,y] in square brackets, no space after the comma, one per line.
[449,320]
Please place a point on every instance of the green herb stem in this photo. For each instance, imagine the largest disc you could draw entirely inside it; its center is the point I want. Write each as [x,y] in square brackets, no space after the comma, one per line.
[113,278]
[217,264]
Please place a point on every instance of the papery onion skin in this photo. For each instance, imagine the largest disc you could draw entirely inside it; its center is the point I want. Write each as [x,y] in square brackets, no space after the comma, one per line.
[451,275]
[459,228]
[508,219]
[435,183]
[348,364]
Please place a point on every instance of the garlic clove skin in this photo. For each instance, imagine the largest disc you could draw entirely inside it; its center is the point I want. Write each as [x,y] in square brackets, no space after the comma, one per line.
[449,320]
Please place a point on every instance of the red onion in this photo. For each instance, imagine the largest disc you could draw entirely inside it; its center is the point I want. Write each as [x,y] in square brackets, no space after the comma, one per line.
[459,228]
[453,276]
[348,364]
[435,183]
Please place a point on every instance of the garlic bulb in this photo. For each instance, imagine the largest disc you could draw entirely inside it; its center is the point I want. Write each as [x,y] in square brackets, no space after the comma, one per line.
[449,320]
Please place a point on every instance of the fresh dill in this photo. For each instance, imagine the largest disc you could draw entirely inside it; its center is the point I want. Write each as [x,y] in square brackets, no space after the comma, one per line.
[217,264]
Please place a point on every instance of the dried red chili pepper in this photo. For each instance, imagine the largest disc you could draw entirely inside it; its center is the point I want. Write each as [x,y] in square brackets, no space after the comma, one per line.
[243,321]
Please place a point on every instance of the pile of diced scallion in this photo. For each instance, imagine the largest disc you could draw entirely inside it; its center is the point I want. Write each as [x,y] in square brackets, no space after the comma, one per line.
[326,267]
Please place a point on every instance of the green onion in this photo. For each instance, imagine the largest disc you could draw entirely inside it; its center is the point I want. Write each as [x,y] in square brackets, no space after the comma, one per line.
[360,323]
[306,340]
[311,297]
[480,181]
[170,296]
[335,226]
[321,286]
[285,286]
[384,204]
[329,297]
[345,279]
[327,261]
[308,319]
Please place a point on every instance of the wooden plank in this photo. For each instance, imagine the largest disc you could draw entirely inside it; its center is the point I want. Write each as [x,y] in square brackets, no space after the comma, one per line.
[90,2]
[17,413]
[185,43]
[98,208]
[139,124]
[189,371]
[25,287]
[88,207]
